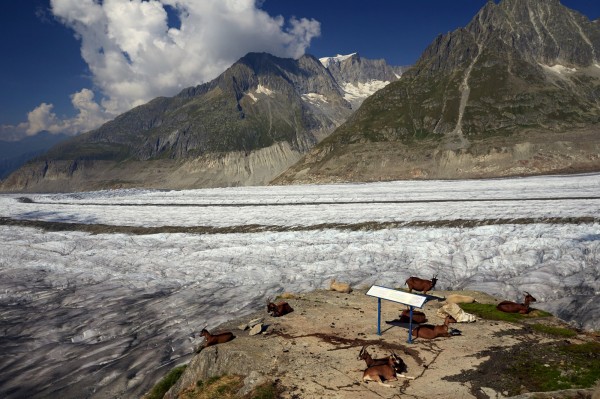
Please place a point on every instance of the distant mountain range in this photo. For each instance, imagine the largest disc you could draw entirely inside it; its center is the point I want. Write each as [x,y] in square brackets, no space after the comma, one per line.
[14,154]
[515,92]
[245,127]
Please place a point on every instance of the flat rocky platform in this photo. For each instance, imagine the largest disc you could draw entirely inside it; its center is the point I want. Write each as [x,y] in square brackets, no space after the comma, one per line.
[312,352]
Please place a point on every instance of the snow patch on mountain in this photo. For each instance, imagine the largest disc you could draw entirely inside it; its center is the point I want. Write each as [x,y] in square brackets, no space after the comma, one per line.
[338,58]
[355,94]
[315,98]
[560,69]
[264,90]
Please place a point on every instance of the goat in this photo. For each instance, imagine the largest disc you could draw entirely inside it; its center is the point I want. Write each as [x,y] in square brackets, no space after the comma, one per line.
[418,316]
[455,298]
[211,339]
[279,309]
[428,331]
[513,307]
[398,363]
[340,287]
[418,284]
[381,372]
[387,371]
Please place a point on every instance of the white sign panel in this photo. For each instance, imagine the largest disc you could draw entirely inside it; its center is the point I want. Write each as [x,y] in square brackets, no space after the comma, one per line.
[405,298]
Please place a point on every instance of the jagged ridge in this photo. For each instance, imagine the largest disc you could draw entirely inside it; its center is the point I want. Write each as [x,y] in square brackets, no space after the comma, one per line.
[262,103]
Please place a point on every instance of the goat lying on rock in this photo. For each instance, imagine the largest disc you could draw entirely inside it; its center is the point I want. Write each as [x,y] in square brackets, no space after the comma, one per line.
[387,371]
[211,339]
[280,309]
[513,307]
[418,316]
[429,331]
[398,363]
[380,373]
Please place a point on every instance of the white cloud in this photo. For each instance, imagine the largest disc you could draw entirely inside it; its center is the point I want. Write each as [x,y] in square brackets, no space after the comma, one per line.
[90,115]
[135,56]
[40,119]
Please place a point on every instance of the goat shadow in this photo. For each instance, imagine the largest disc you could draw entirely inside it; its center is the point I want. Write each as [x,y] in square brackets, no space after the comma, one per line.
[432,297]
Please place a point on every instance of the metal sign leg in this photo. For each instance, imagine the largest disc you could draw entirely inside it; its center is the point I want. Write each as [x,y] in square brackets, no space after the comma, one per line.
[378,316]
[410,325]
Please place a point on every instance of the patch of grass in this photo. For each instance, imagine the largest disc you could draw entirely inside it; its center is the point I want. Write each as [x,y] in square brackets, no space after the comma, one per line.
[222,387]
[556,331]
[573,366]
[267,390]
[537,367]
[589,348]
[159,390]
[226,387]
[584,362]
[489,312]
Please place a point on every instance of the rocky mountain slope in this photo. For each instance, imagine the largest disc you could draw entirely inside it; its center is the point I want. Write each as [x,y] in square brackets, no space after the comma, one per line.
[13,154]
[243,128]
[516,91]
[360,77]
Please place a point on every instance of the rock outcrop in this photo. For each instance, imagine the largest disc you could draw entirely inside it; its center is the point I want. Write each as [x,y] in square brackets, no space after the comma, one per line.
[313,351]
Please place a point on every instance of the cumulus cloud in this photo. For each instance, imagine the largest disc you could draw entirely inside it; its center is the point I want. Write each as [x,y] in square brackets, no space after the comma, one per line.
[89,116]
[134,55]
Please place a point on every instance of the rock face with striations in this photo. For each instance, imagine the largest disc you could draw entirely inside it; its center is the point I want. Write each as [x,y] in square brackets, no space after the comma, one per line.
[360,77]
[243,128]
[517,91]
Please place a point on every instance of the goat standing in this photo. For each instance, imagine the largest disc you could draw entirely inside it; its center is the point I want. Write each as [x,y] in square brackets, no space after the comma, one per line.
[513,307]
[419,284]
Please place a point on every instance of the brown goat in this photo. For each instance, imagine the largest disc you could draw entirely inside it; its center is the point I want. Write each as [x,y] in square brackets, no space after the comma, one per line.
[428,331]
[418,316]
[381,372]
[279,309]
[418,284]
[513,307]
[386,372]
[398,363]
[215,339]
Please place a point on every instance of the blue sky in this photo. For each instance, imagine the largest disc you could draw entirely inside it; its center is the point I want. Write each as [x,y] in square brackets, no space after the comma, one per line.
[61,71]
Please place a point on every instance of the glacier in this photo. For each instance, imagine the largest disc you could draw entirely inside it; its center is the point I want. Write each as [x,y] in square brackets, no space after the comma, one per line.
[106,314]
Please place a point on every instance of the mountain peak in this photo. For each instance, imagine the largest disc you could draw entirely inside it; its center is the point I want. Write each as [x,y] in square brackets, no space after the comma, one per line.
[543,31]
[519,72]
[326,61]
